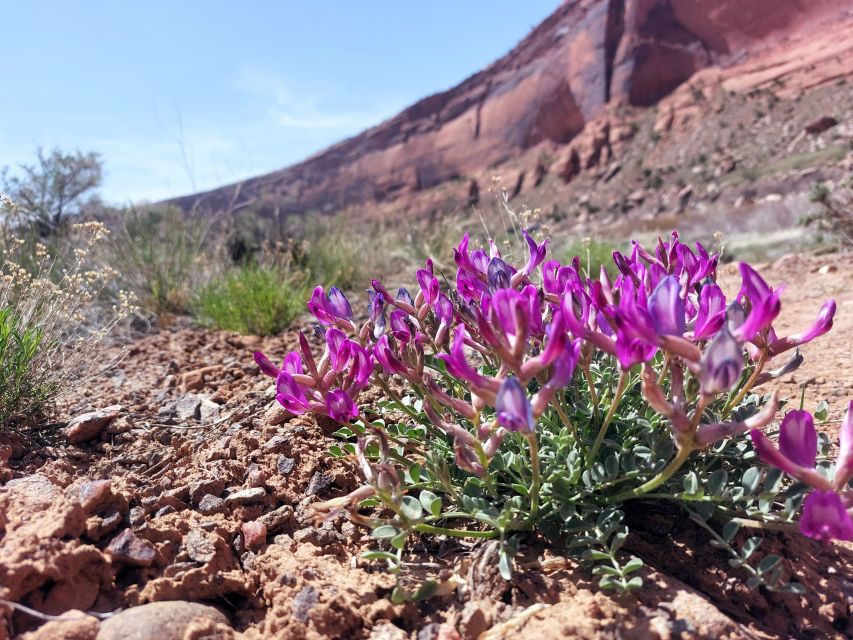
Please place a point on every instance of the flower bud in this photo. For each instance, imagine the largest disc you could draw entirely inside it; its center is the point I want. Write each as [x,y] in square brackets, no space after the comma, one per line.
[513,409]
[721,364]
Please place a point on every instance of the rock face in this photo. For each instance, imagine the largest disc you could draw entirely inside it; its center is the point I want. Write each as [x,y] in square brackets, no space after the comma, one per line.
[587,55]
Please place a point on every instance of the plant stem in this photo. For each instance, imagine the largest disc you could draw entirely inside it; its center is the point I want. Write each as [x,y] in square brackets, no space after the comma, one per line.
[558,407]
[731,404]
[665,474]
[664,370]
[593,396]
[535,475]
[620,390]
[455,533]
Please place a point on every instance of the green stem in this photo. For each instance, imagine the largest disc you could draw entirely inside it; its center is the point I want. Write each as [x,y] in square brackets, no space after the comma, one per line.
[665,474]
[455,533]
[762,360]
[535,476]
[620,390]
[593,396]
[558,406]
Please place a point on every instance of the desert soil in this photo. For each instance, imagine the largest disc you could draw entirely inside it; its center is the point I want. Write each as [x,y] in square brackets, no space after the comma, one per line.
[198,492]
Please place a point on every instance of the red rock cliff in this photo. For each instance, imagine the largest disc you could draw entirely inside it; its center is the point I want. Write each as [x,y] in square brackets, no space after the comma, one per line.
[587,54]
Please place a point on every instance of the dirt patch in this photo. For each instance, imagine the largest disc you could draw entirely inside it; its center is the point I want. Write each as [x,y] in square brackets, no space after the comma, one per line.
[199,492]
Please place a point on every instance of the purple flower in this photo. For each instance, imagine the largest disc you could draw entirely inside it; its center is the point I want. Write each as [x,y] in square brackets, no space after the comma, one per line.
[712,312]
[721,363]
[844,464]
[340,406]
[666,307]
[362,365]
[375,305]
[339,349]
[403,295]
[798,439]
[821,325]
[765,304]
[498,274]
[292,363]
[338,305]
[400,326]
[458,366]
[266,366]
[825,518]
[444,309]
[289,394]
[429,286]
[513,409]
[537,253]
[387,358]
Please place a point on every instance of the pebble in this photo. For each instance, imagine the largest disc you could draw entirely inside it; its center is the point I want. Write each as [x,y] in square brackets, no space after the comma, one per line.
[254,534]
[188,406]
[202,488]
[129,549]
[199,547]
[162,620]
[304,602]
[285,465]
[319,482]
[90,425]
[210,504]
[95,494]
[246,496]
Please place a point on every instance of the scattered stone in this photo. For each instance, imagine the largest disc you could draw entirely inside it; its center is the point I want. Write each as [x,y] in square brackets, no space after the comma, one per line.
[90,425]
[188,406]
[612,170]
[285,465]
[210,504]
[72,625]
[474,620]
[129,549]
[385,630]
[827,268]
[276,415]
[162,620]
[164,511]
[319,482]
[256,478]
[198,490]
[820,125]
[95,495]
[304,602]
[277,519]
[254,534]
[178,568]
[37,491]
[246,496]
[136,516]
[199,547]
[97,527]
[684,196]
[208,411]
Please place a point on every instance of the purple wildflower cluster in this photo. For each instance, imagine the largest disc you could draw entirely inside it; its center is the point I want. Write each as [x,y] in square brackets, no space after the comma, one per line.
[503,329]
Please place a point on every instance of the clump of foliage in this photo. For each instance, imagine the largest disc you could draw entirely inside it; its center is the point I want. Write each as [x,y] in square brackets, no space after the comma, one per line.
[162,255]
[253,298]
[542,398]
[835,213]
[51,320]
[594,255]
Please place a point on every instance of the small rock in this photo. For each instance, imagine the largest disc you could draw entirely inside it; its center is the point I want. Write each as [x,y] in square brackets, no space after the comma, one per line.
[820,125]
[72,625]
[285,465]
[178,568]
[276,415]
[210,504]
[304,602]
[199,490]
[319,482]
[136,516]
[827,268]
[246,496]
[97,527]
[164,511]
[254,534]
[384,630]
[208,411]
[199,547]
[128,549]
[162,620]
[90,425]
[256,478]
[188,406]
[277,519]
[95,494]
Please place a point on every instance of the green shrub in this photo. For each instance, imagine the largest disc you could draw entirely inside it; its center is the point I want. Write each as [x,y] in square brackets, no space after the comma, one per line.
[24,391]
[252,299]
[593,254]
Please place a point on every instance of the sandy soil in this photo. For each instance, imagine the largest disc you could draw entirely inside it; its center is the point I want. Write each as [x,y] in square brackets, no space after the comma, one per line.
[199,492]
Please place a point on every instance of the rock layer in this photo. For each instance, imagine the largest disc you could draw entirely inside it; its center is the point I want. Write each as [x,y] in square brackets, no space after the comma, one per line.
[587,55]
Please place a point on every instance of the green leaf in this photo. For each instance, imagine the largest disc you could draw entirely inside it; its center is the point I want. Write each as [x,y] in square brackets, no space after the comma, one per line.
[399,595]
[634,583]
[335,451]
[617,542]
[821,411]
[604,569]
[730,529]
[750,546]
[411,508]
[750,479]
[595,554]
[768,563]
[384,531]
[632,565]
[717,482]
[399,541]
[754,582]
[520,488]
[379,555]
[425,591]
[430,502]
[611,464]
[505,564]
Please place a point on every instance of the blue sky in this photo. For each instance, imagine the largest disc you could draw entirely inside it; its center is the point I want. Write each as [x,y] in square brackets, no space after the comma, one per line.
[185,96]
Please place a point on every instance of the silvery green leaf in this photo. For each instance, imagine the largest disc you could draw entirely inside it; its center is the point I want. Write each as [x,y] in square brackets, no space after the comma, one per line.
[411,508]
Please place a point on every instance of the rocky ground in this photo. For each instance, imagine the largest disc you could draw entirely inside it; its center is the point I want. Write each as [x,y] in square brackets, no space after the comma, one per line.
[183,507]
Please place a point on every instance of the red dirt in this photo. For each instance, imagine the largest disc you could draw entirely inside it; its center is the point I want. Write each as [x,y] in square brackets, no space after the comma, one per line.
[162,508]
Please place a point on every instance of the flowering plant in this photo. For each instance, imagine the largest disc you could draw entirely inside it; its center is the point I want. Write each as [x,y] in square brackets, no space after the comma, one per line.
[538,397]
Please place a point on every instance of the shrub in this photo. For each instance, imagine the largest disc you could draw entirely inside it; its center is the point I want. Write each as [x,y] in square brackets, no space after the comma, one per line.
[51,323]
[593,254]
[260,300]
[536,400]
[161,255]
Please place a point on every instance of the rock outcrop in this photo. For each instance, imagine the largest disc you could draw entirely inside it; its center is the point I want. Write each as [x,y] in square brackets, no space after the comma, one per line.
[549,91]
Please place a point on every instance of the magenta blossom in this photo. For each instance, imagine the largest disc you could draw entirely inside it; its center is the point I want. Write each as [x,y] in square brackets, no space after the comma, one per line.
[340,406]
[825,518]
[512,407]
